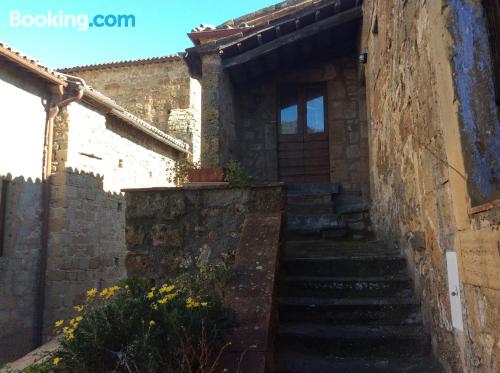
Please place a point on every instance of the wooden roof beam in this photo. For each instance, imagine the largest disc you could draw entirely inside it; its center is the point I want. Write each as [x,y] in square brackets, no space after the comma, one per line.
[307,31]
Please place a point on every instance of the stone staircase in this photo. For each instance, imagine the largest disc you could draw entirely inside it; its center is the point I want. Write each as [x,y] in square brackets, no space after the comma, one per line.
[346,304]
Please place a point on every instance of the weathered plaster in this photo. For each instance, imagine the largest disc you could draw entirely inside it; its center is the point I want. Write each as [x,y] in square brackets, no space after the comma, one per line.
[473,73]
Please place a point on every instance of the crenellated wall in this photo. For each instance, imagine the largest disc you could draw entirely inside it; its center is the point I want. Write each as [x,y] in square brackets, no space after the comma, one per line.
[95,156]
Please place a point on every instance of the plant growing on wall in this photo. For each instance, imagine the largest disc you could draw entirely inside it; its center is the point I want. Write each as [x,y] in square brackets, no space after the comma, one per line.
[179,172]
[234,173]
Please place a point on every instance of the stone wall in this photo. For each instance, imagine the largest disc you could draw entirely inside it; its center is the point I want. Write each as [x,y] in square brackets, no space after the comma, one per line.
[256,113]
[23,126]
[172,229]
[418,168]
[163,94]
[95,157]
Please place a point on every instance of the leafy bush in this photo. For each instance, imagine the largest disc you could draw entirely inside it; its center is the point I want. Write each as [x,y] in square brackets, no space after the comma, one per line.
[133,327]
[178,173]
[234,173]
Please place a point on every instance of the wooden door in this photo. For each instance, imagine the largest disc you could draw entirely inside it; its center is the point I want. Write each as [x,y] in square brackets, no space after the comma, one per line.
[303,134]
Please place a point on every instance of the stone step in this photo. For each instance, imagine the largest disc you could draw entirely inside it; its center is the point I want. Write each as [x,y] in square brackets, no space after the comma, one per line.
[341,266]
[345,287]
[313,188]
[362,311]
[338,233]
[306,199]
[353,340]
[313,223]
[350,203]
[318,248]
[311,208]
[298,363]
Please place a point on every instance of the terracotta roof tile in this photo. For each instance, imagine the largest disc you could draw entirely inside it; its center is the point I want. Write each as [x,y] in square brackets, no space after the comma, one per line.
[108,65]
[31,64]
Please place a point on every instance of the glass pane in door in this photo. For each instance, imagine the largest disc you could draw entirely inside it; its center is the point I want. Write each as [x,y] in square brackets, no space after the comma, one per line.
[315,114]
[289,116]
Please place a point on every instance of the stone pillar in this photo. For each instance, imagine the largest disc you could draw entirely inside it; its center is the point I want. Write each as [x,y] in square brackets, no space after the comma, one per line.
[217,113]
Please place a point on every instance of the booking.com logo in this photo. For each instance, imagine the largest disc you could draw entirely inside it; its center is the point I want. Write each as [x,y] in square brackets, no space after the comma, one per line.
[81,22]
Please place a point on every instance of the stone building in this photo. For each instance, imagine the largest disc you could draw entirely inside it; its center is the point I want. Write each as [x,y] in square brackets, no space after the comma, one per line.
[398,102]
[62,217]
[390,105]
[160,90]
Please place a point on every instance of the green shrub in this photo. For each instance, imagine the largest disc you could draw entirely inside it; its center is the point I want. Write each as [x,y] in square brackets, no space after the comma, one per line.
[234,173]
[133,327]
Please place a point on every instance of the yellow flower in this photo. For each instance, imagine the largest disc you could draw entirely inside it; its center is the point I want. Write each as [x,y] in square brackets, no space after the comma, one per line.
[153,289]
[152,323]
[104,293]
[69,332]
[57,360]
[166,289]
[190,303]
[91,292]
[154,306]
[126,287]
[58,323]
[79,318]
[151,295]
[78,308]
[167,298]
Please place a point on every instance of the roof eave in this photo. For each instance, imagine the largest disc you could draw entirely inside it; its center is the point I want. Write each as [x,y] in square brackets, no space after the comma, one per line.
[30,66]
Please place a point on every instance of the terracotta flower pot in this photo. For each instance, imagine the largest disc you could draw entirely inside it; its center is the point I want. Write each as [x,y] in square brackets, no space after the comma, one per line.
[206,175]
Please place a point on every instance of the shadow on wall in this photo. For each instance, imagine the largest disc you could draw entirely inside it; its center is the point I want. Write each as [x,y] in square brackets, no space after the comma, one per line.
[86,241]
[20,243]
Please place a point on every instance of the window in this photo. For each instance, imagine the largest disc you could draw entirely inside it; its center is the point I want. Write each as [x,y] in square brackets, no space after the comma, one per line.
[315,113]
[302,110]
[492,9]
[289,116]
[3,210]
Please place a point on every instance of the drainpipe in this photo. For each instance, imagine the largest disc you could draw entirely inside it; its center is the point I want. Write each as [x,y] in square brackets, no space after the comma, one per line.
[52,111]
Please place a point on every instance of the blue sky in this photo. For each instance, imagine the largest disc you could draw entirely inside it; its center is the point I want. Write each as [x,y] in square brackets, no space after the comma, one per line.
[160,29]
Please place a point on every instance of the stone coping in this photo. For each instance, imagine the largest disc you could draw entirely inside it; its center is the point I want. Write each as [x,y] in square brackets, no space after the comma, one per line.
[206,186]
[33,357]
[251,293]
